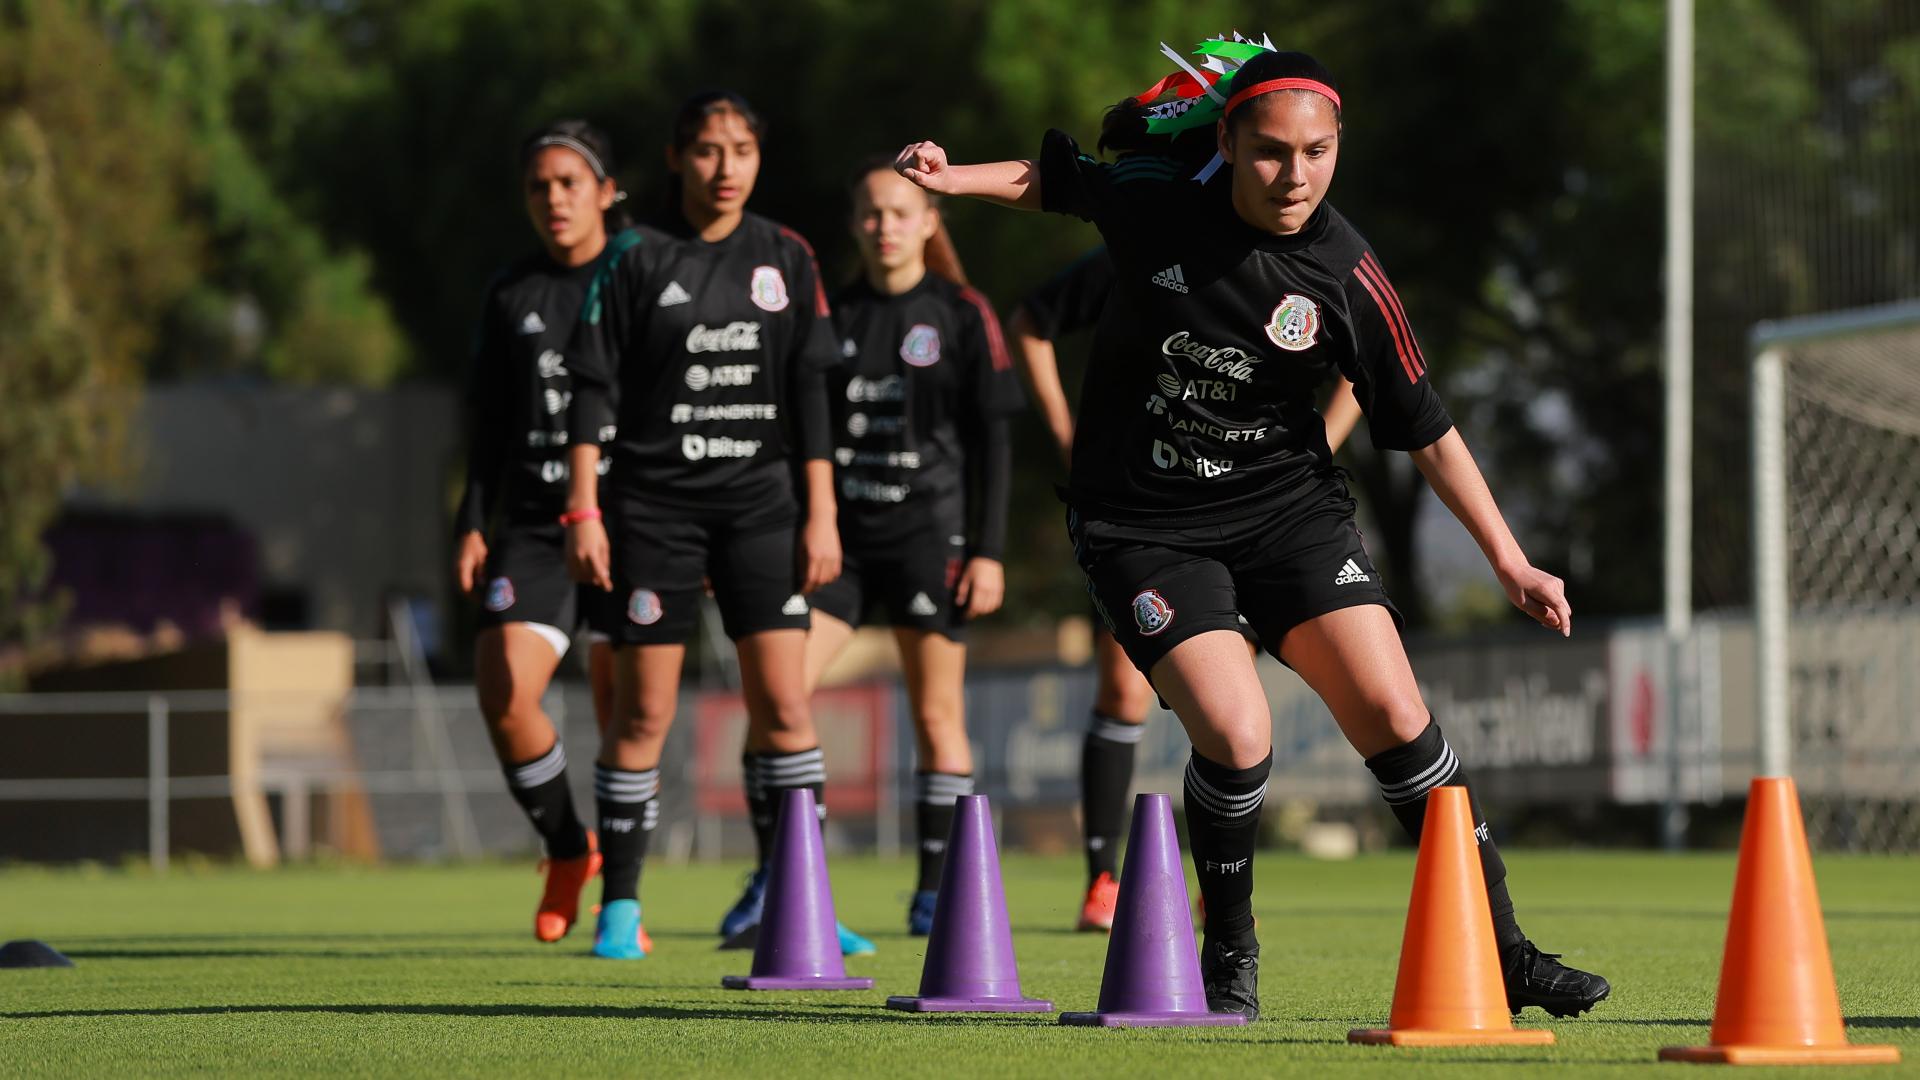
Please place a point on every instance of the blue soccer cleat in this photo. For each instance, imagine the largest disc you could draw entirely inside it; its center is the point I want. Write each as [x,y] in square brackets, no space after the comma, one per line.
[920,913]
[746,910]
[852,944]
[618,936]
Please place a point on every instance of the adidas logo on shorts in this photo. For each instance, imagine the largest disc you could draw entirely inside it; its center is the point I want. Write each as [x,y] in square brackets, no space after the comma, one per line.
[922,605]
[533,323]
[1172,278]
[795,605]
[673,294]
[1350,573]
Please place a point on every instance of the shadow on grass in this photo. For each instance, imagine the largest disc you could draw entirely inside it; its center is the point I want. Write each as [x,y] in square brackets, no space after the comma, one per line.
[1895,1022]
[858,1014]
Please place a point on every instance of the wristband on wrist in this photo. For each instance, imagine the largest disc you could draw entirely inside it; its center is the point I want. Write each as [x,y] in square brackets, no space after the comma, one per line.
[591,513]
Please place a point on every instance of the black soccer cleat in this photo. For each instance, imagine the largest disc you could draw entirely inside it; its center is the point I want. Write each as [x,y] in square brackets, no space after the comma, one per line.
[1231,977]
[1539,978]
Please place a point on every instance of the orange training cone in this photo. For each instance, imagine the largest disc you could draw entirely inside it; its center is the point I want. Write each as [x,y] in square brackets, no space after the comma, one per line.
[1777,1004]
[1449,992]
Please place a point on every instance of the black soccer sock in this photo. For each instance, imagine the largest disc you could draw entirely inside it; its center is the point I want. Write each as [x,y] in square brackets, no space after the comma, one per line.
[778,774]
[629,809]
[540,787]
[1106,772]
[1406,775]
[1223,821]
[759,810]
[934,796]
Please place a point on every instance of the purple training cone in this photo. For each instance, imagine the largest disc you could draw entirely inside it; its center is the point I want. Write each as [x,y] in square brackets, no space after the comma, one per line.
[1153,966]
[970,965]
[799,949]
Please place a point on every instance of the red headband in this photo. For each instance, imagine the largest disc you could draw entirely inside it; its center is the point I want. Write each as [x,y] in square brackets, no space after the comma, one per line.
[1241,95]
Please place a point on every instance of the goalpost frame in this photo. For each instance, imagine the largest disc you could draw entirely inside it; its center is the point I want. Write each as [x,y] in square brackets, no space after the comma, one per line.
[1768,346]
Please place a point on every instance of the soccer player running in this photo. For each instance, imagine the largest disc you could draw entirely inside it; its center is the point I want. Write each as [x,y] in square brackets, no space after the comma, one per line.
[718,340]
[1201,485]
[512,544]
[923,464]
[1065,303]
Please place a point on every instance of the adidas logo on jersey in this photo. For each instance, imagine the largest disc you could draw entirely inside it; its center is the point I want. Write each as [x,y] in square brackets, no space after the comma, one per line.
[673,294]
[921,605]
[533,323]
[1172,278]
[795,605]
[1350,573]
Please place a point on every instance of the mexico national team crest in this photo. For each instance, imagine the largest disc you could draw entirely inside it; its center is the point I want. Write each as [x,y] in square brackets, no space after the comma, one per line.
[921,346]
[1151,612]
[768,289]
[499,594]
[1295,323]
[643,607]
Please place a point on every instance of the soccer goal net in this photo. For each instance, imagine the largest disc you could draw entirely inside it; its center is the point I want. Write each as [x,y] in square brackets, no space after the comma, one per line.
[1836,442]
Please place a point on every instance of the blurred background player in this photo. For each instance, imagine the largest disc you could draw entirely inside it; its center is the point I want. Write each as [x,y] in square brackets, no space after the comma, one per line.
[1224,501]
[512,544]
[924,463]
[1068,302]
[718,339]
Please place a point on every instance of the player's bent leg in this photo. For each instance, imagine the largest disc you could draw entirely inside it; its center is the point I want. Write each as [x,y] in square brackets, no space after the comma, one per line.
[600,681]
[626,782]
[826,638]
[935,667]
[1210,682]
[1354,660]
[1114,729]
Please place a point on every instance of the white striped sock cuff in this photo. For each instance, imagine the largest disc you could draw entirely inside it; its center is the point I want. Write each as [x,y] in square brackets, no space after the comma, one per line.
[792,770]
[1115,731]
[1439,772]
[941,789]
[1222,804]
[616,785]
[540,770]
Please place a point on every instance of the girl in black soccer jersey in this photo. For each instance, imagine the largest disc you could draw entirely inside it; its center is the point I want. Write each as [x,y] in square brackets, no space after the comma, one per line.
[718,338]
[517,484]
[1217,497]
[923,465]
[1069,301]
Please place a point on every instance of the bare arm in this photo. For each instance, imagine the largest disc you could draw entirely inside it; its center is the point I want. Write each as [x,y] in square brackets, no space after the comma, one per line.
[1009,183]
[1343,411]
[1040,369]
[588,558]
[820,534]
[1450,468]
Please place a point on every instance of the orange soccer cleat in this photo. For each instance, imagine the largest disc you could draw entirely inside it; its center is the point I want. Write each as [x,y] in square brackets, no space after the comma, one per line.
[1096,913]
[560,902]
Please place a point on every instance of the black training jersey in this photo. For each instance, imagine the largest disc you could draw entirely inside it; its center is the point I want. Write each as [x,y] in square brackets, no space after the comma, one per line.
[520,389]
[719,352]
[919,415]
[1073,298]
[1198,403]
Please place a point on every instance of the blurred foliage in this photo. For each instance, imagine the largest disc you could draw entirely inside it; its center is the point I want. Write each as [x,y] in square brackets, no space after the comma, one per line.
[319,189]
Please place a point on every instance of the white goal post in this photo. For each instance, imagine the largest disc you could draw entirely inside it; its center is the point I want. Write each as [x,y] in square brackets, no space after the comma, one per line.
[1836,563]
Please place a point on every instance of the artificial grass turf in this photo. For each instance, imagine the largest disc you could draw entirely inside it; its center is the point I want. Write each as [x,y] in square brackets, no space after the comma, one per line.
[433,970]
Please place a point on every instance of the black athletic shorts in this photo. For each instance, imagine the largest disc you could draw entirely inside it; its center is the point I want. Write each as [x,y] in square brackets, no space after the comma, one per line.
[908,585]
[1157,586]
[664,556]
[526,582]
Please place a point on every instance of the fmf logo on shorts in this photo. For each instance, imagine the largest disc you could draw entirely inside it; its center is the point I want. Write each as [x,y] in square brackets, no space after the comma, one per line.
[1151,612]
[499,594]
[701,447]
[643,607]
[1166,457]
[733,337]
